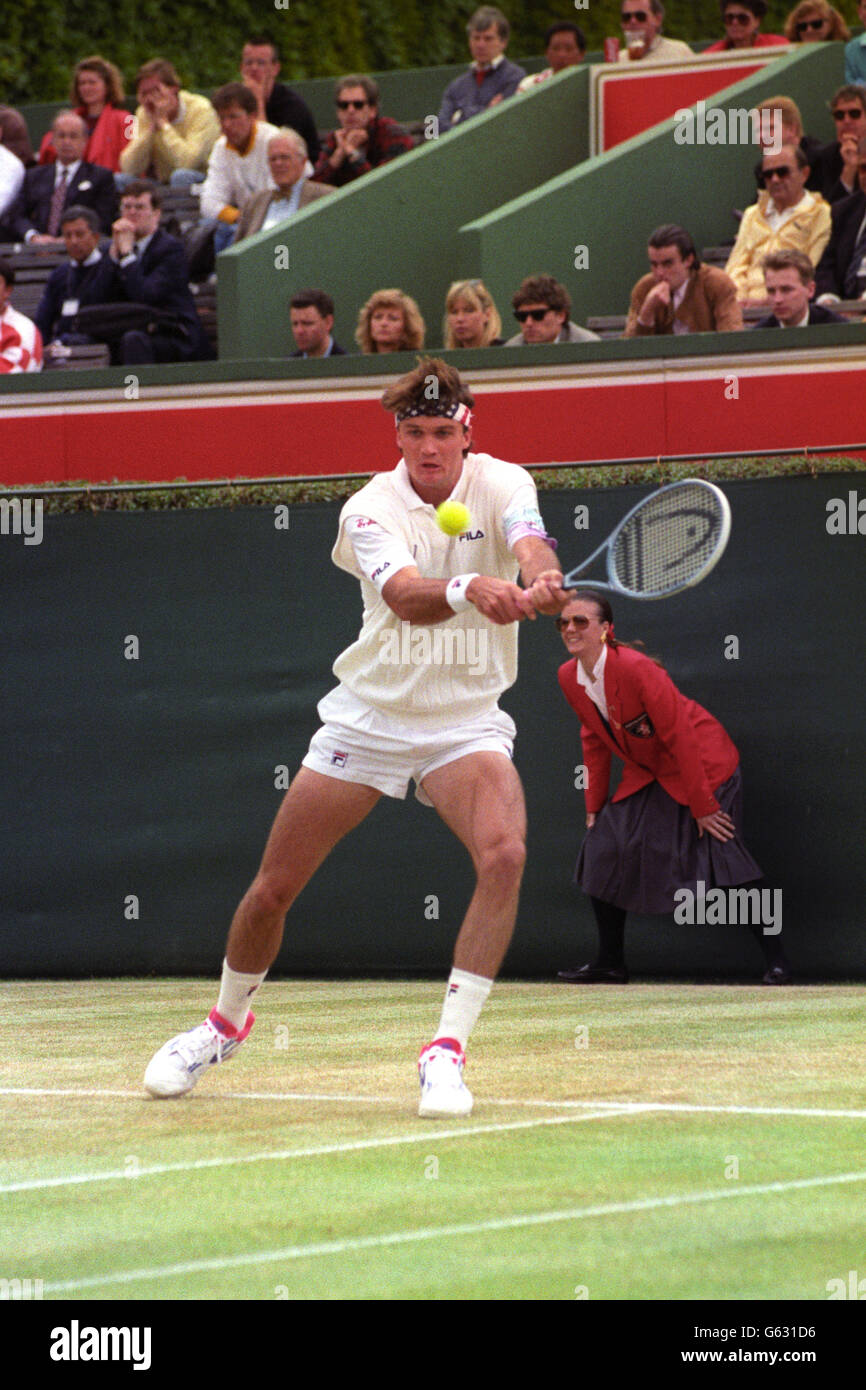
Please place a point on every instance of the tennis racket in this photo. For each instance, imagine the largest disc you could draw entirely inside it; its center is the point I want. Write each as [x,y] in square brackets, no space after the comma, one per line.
[668,542]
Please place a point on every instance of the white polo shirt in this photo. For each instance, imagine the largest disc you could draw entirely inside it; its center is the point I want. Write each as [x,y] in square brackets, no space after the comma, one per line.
[431,671]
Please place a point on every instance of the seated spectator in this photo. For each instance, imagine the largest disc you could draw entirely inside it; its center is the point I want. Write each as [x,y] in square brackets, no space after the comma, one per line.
[364,139]
[790,282]
[841,272]
[146,266]
[238,167]
[855,51]
[275,102]
[471,317]
[565,47]
[390,321]
[175,130]
[11,179]
[97,95]
[311,314]
[491,76]
[814,21]
[642,22]
[834,167]
[680,295]
[785,217]
[792,128]
[542,306]
[287,159]
[20,339]
[73,284]
[48,189]
[742,21]
[15,136]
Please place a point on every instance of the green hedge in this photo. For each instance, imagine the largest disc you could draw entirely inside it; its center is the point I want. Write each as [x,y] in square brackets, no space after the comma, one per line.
[41,39]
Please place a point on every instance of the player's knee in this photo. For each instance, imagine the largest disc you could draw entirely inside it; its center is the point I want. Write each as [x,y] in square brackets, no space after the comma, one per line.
[504,859]
[267,897]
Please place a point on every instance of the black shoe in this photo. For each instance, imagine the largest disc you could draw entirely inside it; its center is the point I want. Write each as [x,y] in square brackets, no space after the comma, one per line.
[595,975]
[777,975]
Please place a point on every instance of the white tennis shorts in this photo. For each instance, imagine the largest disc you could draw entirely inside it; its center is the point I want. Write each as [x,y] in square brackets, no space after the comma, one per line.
[358,743]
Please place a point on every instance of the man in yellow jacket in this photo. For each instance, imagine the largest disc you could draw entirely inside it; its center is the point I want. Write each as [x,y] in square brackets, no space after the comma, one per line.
[785,217]
[175,130]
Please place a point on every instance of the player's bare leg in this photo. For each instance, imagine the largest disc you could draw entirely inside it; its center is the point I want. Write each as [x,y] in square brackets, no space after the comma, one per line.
[316,812]
[480,798]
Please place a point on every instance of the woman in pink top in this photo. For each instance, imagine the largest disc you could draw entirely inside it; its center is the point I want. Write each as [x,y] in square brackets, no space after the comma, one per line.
[742,21]
[97,95]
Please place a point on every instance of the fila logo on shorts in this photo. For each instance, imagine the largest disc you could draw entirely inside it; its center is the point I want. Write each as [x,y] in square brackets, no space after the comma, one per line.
[339,759]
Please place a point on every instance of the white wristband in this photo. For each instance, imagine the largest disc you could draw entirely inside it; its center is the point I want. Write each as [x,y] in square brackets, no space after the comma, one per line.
[455,593]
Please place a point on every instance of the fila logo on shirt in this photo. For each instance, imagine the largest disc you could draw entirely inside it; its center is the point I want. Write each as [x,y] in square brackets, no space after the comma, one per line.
[471,536]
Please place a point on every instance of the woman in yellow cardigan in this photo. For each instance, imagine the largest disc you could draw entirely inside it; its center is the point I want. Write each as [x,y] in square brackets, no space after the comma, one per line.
[785,217]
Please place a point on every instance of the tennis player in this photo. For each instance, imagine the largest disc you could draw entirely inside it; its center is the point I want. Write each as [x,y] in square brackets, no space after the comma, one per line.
[675,819]
[407,709]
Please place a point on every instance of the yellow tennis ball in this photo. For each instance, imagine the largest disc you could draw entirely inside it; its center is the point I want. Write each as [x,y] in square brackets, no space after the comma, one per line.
[453,518]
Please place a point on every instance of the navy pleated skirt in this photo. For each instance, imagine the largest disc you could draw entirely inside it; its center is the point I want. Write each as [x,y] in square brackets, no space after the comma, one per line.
[644,848]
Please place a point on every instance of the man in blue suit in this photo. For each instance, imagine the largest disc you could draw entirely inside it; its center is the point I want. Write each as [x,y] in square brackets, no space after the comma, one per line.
[71,285]
[144,265]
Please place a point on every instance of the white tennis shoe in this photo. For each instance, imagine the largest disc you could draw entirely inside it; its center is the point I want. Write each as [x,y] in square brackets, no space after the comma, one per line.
[443,1090]
[177,1066]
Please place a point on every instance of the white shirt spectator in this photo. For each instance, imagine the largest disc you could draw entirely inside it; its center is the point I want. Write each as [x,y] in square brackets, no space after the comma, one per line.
[20,343]
[11,178]
[233,177]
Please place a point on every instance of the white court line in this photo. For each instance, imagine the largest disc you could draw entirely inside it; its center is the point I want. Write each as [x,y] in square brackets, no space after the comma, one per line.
[615,1106]
[505,1223]
[279,1155]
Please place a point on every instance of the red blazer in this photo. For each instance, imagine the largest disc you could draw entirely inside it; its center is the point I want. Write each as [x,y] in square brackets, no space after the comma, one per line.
[658,733]
[108,140]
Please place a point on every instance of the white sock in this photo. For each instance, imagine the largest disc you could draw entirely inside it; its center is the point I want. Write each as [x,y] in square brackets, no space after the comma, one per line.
[236,992]
[464,1000]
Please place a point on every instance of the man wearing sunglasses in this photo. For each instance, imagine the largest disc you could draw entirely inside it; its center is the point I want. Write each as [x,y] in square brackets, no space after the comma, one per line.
[641,24]
[841,272]
[363,139]
[834,168]
[785,217]
[542,306]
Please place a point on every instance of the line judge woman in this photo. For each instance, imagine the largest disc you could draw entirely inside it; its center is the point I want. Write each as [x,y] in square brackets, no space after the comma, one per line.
[676,817]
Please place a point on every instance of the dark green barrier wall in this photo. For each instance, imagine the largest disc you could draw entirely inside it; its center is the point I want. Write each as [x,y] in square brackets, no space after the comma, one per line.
[398,226]
[154,778]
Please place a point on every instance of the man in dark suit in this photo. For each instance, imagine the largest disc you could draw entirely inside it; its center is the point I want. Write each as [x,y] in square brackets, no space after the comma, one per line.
[73,284]
[834,166]
[838,275]
[790,280]
[49,189]
[144,265]
[311,314]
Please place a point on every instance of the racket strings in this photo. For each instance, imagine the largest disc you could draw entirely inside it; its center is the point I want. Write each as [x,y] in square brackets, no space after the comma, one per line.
[668,542]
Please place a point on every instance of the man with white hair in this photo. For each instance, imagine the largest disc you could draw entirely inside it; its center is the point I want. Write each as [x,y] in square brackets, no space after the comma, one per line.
[287,163]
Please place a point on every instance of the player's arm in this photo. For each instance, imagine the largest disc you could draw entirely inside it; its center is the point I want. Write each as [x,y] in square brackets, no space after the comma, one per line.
[388,563]
[418,600]
[541,574]
[529,543]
